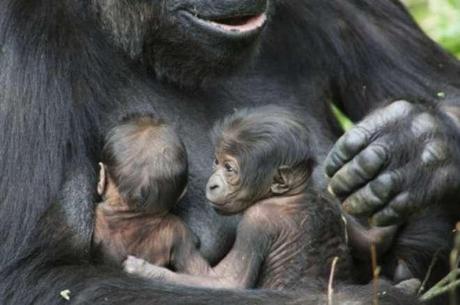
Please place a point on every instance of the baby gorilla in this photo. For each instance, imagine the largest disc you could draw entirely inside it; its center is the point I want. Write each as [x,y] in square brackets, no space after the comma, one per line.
[143,175]
[289,231]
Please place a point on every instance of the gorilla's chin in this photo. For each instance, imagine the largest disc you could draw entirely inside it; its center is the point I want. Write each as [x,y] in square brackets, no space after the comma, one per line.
[186,42]
[197,57]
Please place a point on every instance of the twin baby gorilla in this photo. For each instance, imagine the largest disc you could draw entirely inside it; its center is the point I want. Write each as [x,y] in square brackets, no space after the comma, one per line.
[290,230]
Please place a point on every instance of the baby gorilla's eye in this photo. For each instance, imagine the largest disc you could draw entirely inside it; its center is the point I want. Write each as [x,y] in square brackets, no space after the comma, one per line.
[228,167]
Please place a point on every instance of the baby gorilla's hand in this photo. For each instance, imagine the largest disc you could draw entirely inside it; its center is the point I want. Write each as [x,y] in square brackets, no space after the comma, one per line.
[142,268]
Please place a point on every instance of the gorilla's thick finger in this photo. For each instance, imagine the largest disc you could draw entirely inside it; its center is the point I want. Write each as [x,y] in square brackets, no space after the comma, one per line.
[386,217]
[424,123]
[360,136]
[373,196]
[365,166]
[403,204]
[393,113]
[394,213]
[435,152]
[346,148]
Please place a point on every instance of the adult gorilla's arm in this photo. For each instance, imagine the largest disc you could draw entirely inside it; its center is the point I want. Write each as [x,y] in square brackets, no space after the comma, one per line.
[404,155]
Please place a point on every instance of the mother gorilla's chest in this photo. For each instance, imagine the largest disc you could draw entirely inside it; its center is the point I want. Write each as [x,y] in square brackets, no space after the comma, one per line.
[194,115]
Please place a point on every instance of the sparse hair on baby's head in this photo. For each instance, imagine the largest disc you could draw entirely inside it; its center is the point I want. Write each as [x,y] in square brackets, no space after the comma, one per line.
[147,161]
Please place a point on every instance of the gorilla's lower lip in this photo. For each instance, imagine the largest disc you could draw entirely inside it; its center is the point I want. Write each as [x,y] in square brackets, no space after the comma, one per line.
[234,26]
[217,204]
[220,209]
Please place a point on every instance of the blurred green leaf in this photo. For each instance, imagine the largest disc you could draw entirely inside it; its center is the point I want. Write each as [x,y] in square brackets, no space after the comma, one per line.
[440,19]
[345,123]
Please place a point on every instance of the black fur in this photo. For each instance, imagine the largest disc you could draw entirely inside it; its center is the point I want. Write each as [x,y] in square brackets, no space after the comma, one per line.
[70,69]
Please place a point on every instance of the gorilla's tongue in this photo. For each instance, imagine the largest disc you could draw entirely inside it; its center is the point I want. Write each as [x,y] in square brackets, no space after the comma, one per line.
[240,24]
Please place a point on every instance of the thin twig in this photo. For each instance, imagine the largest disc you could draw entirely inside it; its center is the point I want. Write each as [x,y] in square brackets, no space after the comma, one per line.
[451,277]
[445,280]
[449,283]
[428,273]
[454,264]
[375,274]
[437,291]
[330,289]
[439,287]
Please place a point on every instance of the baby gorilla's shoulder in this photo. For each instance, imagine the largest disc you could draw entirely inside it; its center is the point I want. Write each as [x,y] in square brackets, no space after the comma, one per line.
[264,216]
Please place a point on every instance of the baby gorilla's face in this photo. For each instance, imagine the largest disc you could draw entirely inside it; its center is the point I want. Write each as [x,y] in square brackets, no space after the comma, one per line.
[224,188]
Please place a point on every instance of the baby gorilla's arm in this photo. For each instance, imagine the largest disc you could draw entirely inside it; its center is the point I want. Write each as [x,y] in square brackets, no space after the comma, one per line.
[186,258]
[239,269]
[144,269]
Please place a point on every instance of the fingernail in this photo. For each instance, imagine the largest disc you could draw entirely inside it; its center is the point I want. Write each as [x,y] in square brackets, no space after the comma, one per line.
[329,189]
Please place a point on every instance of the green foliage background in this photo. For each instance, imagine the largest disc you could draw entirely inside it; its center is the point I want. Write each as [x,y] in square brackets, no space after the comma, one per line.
[441,21]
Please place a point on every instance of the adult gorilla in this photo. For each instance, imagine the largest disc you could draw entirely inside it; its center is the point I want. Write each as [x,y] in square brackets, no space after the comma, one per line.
[70,69]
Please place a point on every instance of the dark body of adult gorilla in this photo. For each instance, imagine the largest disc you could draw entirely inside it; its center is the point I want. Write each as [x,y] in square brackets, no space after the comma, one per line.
[70,69]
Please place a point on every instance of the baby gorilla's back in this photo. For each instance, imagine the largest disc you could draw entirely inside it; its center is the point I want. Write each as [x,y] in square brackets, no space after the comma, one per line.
[307,234]
[151,237]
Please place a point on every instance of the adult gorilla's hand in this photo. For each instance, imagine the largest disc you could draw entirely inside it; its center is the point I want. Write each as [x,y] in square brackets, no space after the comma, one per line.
[398,160]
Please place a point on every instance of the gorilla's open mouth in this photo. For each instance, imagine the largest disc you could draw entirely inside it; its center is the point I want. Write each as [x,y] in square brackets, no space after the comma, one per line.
[240,23]
[236,26]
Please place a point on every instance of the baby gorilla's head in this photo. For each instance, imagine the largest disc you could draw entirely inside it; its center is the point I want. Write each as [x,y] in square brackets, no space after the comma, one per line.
[144,163]
[260,153]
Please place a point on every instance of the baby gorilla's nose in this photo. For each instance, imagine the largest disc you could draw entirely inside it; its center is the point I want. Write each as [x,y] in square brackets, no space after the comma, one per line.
[213,187]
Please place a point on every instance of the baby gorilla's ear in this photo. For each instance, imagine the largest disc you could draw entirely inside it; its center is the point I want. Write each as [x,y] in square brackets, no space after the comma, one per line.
[283,180]
[101,185]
